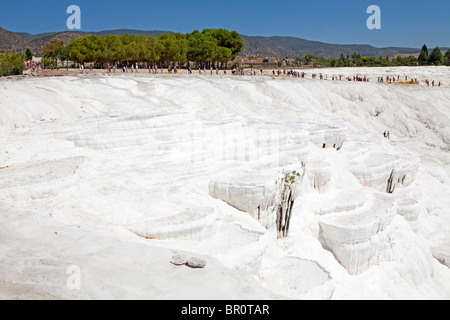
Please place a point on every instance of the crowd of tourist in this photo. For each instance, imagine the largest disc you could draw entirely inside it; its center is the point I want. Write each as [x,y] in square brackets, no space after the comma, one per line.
[172,69]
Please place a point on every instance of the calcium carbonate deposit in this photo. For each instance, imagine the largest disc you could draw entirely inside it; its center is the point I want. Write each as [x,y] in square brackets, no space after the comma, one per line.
[143,186]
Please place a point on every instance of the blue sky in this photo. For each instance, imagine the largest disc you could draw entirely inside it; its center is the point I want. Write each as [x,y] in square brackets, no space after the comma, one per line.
[404,23]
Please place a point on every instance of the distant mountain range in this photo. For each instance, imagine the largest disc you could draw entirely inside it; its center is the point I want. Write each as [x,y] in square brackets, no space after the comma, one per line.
[276,46]
[295,47]
[20,41]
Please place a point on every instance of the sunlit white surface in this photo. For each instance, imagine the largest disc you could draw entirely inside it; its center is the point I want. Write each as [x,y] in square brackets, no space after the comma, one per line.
[117,173]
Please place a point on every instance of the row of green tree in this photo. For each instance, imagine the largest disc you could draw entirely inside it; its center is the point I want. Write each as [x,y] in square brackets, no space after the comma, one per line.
[435,57]
[356,60]
[209,47]
[11,64]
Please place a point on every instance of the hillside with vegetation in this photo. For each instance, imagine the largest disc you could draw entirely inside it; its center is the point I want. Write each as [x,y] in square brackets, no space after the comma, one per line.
[37,42]
[295,47]
[9,41]
[163,46]
[276,46]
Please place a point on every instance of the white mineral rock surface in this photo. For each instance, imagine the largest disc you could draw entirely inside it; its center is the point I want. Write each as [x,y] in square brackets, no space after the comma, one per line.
[110,185]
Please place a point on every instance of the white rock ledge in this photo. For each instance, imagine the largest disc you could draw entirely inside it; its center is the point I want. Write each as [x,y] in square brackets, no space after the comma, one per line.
[386,172]
[319,175]
[39,180]
[246,251]
[267,197]
[298,278]
[327,136]
[411,210]
[360,238]
[347,200]
[192,224]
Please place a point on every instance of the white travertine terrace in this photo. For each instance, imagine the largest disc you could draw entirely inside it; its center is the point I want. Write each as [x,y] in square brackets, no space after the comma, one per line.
[202,165]
[338,202]
[386,172]
[191,224]
[299,278]
[362,237]
[267,197]
[327,136]
[39,179]
[411,210]
[319,175]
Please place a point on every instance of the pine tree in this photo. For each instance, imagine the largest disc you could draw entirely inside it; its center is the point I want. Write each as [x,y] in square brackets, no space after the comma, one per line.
[28,55]
[447,58]
[436,56]
[423,58]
